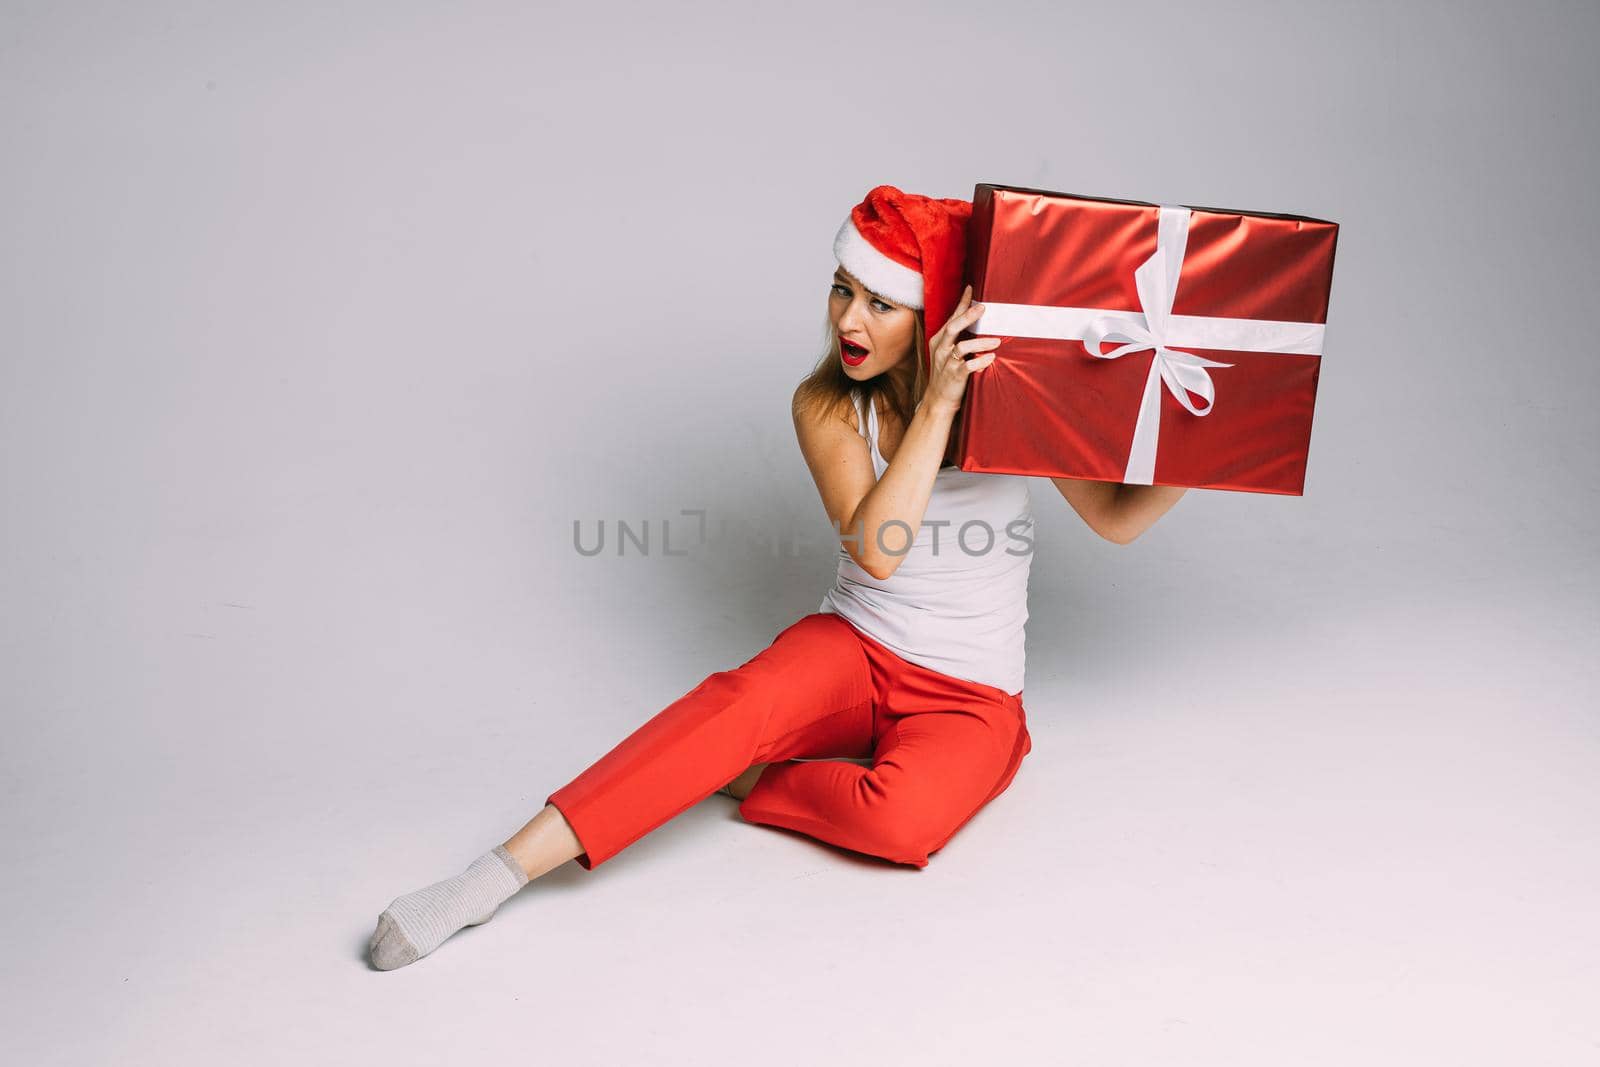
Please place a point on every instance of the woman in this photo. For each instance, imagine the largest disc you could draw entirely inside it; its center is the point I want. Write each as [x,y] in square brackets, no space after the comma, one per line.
[914,660]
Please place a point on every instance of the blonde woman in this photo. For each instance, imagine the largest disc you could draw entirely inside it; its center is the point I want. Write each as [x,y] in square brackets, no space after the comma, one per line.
[913,662]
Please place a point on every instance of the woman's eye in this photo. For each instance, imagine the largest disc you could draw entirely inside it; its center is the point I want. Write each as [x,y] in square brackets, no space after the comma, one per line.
[846,292]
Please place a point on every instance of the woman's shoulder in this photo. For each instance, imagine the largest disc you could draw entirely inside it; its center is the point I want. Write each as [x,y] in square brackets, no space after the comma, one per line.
[818,410]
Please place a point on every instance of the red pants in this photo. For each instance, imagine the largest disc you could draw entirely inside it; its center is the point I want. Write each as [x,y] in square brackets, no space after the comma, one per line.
[941,748]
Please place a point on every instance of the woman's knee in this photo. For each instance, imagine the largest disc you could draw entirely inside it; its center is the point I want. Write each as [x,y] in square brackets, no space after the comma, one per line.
[899,824]
[907,817]
[902,841]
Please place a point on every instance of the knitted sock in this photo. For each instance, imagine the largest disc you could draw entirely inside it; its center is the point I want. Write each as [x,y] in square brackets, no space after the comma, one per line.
[417,923]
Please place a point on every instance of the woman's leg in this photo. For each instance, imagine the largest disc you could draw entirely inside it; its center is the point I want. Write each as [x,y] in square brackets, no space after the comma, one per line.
[548,840]
[809,693]
[740,787]
[545,843]
[932,772]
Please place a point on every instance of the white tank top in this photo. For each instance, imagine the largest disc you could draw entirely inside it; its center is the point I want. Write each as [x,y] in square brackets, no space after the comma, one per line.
[958,601]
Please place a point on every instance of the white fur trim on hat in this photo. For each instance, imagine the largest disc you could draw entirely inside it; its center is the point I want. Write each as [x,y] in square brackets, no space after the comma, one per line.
[875,270]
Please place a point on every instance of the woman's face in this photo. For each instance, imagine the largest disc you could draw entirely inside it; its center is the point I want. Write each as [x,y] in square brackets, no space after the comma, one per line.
[875,334]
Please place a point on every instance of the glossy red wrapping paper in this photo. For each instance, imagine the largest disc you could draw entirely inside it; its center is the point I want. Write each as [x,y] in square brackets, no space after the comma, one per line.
[1048,407]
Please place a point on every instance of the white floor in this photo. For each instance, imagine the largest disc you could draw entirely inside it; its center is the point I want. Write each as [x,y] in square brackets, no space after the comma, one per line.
[1246,834]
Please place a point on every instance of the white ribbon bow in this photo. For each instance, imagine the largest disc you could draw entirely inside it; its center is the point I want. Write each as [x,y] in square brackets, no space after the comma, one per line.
[1155,327]
[1156,280]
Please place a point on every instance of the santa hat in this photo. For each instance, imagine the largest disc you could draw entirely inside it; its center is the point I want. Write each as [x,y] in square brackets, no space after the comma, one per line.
[910,249]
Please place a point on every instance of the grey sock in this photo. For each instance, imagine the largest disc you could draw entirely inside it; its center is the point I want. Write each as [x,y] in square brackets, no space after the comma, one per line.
[417,923]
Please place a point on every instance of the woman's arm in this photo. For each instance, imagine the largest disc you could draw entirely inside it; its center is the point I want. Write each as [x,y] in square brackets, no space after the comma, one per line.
[877,519]
[1118,512]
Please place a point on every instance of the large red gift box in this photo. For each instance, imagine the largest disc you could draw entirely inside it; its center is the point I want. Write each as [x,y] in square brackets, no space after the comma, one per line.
[1145,343]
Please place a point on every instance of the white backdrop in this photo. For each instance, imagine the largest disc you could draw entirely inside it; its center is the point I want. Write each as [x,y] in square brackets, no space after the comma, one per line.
[322,324]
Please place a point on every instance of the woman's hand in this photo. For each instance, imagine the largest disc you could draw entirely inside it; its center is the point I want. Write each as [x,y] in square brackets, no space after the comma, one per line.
[948,379]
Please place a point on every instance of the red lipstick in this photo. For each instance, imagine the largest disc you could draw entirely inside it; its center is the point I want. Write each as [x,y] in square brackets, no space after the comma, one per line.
[853,354]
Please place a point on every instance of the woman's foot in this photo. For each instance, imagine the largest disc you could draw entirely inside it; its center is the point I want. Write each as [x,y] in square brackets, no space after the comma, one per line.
[740,787]
[414,925]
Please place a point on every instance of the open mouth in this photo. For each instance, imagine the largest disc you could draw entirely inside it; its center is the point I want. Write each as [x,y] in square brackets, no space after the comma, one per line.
[852,353]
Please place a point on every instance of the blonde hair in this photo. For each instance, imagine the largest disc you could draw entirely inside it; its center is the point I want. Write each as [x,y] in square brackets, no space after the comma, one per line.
[828,390]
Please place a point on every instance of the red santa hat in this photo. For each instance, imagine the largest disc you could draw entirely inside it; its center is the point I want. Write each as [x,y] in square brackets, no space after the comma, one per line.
[910,249]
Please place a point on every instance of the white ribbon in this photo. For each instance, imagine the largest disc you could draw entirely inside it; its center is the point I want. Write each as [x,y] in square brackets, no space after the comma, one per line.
[1155,328]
